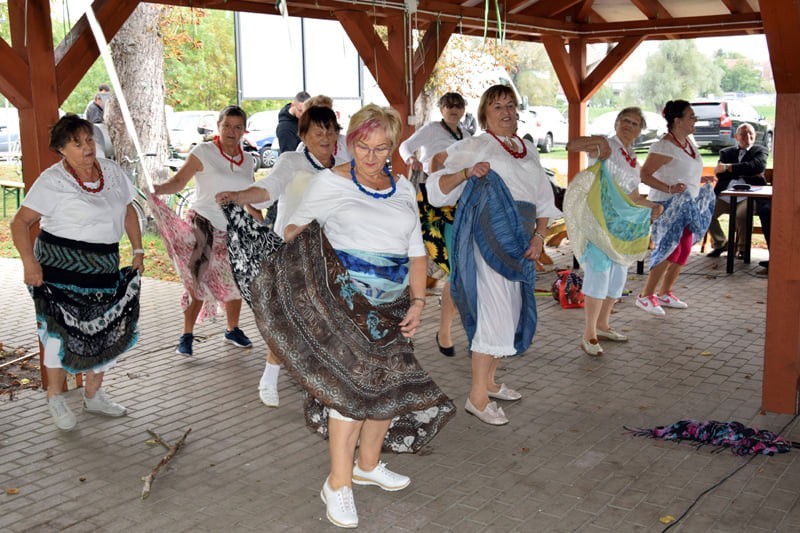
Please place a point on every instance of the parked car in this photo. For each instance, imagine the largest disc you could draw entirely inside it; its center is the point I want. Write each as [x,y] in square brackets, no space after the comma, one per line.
[717,121]
[550,126]
[9,133]
[261,128]
[187,128]
[655,129]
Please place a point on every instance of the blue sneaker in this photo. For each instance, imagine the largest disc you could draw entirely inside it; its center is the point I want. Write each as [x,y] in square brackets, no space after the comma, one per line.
[237,337]
[185,344]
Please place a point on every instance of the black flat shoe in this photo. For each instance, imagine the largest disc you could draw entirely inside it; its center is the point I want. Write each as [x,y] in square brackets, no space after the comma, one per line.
[716,252]
[450,351]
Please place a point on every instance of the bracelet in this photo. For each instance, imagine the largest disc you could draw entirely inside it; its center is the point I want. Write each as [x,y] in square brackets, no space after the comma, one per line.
[537,234]
[669,189]
[464,172]
[420,298]
[138,251]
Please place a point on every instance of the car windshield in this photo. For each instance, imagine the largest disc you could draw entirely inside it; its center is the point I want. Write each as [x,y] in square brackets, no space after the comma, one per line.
[184,121]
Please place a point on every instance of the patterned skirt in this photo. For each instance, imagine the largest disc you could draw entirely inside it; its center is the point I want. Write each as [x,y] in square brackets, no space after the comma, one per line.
[85,301]
[346,353]
[435,223]
[200,255]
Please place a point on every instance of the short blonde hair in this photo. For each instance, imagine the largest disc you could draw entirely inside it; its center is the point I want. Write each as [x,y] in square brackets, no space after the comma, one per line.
[490,96]
[319,100]
[633,110]
[371,117]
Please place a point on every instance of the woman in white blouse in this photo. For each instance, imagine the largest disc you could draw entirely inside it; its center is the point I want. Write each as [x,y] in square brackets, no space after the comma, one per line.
[418,152]
[286,184]
[498,300]
[603,276]
[673,171]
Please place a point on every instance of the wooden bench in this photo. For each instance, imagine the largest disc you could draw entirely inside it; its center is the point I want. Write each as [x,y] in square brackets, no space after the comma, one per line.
[11,188]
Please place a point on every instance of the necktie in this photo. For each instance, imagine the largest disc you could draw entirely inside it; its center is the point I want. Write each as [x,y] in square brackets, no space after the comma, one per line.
[742,151]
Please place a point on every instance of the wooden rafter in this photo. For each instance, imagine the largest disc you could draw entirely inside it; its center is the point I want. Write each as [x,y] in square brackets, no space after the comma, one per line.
[651,9]
[542,8]
[738,6]
[14,84]
[78,51]
[608,65]
[584,11]
[570,83]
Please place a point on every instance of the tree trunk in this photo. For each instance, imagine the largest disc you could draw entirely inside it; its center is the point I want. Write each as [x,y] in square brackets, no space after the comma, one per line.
[138,54]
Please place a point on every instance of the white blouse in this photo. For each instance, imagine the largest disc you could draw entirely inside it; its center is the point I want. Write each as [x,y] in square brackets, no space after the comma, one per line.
[218,175]
[430,139]
[353,220]
[70,212]
[525,178]
[287,183]
[626,176]
[681,168]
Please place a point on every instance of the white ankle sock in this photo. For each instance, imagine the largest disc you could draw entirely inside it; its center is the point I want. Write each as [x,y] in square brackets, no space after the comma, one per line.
[270,376]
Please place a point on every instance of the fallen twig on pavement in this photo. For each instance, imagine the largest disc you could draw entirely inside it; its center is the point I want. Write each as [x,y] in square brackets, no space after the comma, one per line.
[148,480]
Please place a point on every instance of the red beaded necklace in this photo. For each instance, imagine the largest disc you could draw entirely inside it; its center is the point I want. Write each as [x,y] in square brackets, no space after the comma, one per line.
[515,155]
[229,158]
[690,152]
[631,160]
[83,186]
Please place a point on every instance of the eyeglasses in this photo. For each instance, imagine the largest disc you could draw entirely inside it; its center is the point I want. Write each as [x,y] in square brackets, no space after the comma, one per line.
[378,151]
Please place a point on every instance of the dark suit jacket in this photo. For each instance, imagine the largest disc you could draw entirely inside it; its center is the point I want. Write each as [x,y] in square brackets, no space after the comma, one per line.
[751,169]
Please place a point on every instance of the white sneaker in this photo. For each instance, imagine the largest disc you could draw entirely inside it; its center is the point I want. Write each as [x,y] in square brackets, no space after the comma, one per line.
[340,506]
[63,417]
[269,395]
[670,300]
[380,476]
[650,304]
[102,405]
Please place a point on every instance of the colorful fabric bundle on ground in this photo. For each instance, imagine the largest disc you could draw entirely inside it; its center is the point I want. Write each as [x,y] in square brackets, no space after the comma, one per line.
[742,440]
[603,224]
[347,353]
[566,289]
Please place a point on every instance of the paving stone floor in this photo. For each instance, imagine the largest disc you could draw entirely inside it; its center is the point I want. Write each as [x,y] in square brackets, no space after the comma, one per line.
[564,463]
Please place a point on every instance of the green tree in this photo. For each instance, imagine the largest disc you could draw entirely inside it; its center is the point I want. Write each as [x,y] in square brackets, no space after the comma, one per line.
[676,70]
[738,73]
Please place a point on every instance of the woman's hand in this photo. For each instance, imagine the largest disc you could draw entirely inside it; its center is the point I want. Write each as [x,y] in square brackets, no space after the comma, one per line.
[656,211]
[678,188]
[227,197]
[708,179]
[32,273]
[479,170]
[414,163]
[535,247]
[138,263]
[411,322]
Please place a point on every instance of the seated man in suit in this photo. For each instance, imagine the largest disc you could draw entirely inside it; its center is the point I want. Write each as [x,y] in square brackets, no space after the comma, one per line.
[744,163]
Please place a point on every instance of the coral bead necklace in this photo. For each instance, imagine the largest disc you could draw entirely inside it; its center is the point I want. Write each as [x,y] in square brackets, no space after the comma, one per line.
[507,148]
[631,160]
[690,152]
[81,183]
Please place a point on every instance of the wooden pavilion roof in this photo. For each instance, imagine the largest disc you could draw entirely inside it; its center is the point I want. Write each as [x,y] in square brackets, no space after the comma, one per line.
[529,20]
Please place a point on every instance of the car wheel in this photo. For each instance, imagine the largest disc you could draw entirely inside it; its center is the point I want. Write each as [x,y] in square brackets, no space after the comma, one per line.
[528,137]
[768,141]
[267,161]
[547,146]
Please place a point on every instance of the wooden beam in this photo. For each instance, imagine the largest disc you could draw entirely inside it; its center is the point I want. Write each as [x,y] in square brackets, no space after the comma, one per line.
[78,51]
[541,8]
[428,51]
[779,391]
[584,11]
[651,9]
[373,52]
[738,6]
[570,82]
[14,82]
[608,66]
